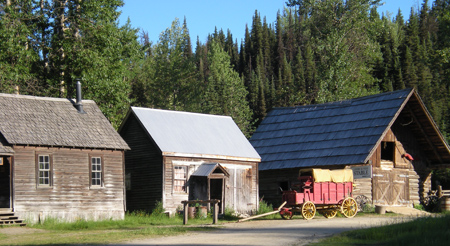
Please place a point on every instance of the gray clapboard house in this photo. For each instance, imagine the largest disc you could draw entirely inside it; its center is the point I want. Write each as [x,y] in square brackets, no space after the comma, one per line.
[177,156]
[59,159]
[389,140]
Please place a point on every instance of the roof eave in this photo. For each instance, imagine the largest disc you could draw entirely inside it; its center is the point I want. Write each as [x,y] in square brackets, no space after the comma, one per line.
[400,109]
[211,156]
[433,123]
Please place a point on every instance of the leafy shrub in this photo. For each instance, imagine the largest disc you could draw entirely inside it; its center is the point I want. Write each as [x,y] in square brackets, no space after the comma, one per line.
[264,207]
[419,207]
[229,214]
[368,208]
[159,209]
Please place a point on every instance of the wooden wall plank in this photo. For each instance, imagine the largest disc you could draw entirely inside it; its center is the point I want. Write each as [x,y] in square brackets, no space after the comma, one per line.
[70,190]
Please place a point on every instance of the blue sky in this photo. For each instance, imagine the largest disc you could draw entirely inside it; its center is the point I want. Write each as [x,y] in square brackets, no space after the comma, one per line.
[202,16]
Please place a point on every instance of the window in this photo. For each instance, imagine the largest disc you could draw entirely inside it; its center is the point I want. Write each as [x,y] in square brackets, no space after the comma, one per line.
[179,180]
[44,170]
[387,151]
[96,171]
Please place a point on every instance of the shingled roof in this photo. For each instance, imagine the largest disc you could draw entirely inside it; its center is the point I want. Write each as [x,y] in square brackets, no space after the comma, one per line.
[193,134]
[341,133]
[44,121]
[5,149]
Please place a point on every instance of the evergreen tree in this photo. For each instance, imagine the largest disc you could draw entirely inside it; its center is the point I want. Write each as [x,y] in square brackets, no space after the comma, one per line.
[226,93]
[47,44]
[345,49]
[310,74]
[410,69]
[17,54]
[172,80]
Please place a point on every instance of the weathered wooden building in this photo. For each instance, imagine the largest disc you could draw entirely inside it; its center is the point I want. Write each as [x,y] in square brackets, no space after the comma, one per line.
[177,156]
[60,159]
[389,140]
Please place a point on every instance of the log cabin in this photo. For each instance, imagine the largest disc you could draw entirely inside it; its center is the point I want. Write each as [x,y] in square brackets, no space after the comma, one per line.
[389,140]
[177,156]
[60,159]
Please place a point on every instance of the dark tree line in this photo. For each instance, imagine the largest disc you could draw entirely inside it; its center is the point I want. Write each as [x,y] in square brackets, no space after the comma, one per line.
[316,51]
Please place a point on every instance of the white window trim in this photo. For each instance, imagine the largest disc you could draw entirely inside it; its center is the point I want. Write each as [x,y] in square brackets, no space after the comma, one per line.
[102,172]
[191,166]
[49,170]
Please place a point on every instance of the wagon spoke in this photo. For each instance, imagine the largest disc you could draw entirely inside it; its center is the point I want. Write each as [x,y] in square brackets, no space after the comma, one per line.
[329,213]
[349,207]
[308,210]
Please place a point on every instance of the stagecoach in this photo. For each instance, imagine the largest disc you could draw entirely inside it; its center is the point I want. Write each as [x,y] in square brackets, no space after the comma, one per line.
[322,190]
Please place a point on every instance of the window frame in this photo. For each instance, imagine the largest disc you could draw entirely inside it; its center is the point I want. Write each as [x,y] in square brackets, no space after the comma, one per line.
[102,172]
[175,179]
[49,170]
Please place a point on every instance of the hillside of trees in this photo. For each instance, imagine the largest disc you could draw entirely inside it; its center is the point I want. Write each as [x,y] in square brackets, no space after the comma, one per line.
[315,52]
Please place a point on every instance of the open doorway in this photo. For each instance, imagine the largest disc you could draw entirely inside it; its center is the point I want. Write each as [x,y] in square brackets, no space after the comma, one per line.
[216,192]
[208,182]
[5,183]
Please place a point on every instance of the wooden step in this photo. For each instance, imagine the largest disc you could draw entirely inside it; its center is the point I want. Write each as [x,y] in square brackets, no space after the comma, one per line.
[8,218]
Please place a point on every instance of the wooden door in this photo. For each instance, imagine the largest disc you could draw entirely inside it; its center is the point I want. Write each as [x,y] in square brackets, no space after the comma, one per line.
[5,183]
[238,189]
[390,187]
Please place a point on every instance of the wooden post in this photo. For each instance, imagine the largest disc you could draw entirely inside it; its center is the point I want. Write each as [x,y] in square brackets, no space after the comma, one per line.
[439,191]
[185,213]
[216,211]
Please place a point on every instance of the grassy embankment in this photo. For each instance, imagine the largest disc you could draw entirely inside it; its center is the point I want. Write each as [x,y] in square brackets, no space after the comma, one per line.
[134,226]
[433,230]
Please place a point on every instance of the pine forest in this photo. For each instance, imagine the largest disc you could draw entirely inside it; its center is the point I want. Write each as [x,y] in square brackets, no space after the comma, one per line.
[315,52]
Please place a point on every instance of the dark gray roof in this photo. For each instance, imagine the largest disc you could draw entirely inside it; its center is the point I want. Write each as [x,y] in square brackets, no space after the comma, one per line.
[337,133]
[44,121]
[5,149]
[204,170]
[184,133]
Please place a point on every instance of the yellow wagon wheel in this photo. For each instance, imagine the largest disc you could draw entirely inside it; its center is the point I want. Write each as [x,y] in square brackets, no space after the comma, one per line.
[308,210]
[349,207]
[329,213]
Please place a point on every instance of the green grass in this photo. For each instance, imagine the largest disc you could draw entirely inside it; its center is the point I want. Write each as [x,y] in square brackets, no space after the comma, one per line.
[134,226]
[422,231]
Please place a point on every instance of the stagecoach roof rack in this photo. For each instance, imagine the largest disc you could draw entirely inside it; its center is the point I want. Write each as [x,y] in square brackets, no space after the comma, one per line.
[327,175]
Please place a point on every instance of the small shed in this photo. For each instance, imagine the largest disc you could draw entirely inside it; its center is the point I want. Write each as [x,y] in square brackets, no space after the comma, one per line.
[59,159]
[176,156]
[389,140]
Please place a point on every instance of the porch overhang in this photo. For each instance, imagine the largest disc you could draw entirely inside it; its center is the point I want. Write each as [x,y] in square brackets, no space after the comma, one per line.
[210,170]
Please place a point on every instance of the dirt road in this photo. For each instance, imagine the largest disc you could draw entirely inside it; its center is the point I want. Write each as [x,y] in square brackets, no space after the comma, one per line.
[272,232]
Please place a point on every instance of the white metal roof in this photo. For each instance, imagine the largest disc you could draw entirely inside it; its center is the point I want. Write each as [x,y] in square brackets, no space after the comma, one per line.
[195,134]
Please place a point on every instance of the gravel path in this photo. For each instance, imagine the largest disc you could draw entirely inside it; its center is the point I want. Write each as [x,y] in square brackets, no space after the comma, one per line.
[272,232]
